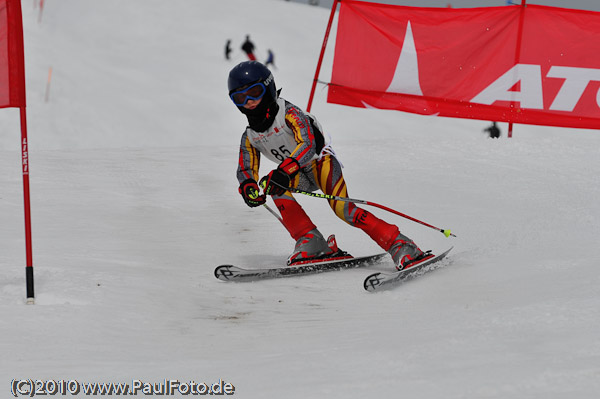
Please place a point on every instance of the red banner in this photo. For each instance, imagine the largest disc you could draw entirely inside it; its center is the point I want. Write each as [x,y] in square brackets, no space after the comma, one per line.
[12,69]
[533,64]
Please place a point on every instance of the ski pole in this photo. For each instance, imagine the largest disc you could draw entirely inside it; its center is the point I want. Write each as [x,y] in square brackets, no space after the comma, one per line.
[446,232]
[273,213]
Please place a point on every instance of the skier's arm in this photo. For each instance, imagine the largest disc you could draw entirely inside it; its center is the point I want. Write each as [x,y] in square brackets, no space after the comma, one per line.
[309,143]
[308,139]
[248,161]
[247,174]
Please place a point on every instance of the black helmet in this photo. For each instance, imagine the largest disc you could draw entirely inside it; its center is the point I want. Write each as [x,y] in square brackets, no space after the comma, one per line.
[249,72]
[246,74]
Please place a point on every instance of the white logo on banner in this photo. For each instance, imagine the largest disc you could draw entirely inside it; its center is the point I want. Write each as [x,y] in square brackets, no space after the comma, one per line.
[406,74]
[406,77]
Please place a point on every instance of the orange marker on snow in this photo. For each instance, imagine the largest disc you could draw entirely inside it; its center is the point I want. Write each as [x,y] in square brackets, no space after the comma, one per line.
[46,96]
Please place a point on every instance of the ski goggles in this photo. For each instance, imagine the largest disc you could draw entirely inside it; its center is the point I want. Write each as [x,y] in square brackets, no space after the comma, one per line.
[253,92]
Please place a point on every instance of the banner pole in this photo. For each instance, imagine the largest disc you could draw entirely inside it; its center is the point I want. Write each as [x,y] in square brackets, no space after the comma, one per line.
[27,204]
[518,54]
[314,84]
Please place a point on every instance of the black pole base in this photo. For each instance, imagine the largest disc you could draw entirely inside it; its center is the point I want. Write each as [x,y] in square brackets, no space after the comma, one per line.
[29,284]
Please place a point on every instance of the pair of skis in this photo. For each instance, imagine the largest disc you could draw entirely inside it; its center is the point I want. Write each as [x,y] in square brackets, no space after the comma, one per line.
[375,282]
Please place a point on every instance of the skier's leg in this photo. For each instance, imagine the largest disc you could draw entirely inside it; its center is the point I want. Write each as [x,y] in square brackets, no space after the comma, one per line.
[295,220]
[328,175]
[309,241]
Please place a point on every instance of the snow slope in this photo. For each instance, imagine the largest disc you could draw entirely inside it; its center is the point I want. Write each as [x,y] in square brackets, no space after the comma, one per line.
[134,202]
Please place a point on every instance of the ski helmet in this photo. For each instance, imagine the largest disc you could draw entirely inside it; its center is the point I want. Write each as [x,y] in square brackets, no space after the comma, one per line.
[250,72]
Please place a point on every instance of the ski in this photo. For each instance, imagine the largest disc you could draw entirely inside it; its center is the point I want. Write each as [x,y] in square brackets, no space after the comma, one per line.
[235,273]
[381,281]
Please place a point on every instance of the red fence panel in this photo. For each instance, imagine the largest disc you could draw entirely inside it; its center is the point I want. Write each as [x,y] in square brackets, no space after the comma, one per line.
[470,63]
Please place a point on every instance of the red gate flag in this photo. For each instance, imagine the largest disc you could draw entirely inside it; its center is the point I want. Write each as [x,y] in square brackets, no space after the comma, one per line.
[12,94]
[12,68]
[524,64]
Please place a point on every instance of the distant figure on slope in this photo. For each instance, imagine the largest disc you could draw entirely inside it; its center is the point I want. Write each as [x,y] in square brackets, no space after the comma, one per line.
[228,49]
[292,138]
[270,59]
[493,130]
[248,48]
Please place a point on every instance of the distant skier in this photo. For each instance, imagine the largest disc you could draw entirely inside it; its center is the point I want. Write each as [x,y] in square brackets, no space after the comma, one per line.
[292,138]
[493,130]
[270,59]
[248,48]
[228,49]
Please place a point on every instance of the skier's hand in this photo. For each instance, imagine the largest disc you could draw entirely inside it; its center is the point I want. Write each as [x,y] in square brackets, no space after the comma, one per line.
[278,180]
[251,193]
[274,181]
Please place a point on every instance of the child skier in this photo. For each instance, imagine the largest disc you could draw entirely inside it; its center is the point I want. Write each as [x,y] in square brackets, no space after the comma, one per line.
[292,138]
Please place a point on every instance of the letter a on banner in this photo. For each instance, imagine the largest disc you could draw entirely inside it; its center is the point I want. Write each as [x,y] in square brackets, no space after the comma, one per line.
[12,94]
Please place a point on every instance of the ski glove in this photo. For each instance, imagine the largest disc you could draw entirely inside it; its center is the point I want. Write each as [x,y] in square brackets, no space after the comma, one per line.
[251,193]
[278,180]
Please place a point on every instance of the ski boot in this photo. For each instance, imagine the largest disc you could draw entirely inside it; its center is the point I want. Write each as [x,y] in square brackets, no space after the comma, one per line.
[312,247]
[405,252]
